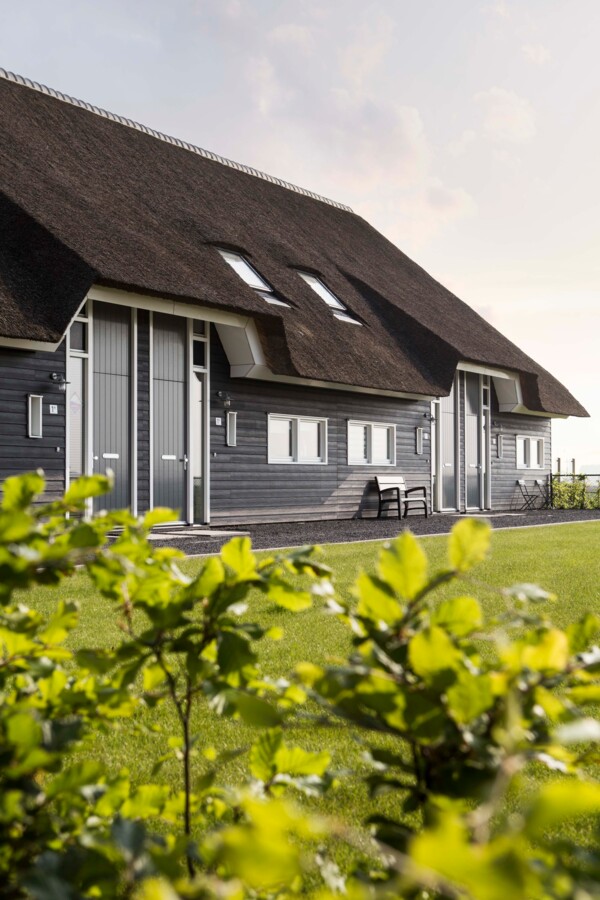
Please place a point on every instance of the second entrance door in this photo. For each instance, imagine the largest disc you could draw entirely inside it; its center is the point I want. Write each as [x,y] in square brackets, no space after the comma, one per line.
[169,401]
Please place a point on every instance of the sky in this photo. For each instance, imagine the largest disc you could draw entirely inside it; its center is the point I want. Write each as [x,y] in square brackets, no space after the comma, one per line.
[467,131]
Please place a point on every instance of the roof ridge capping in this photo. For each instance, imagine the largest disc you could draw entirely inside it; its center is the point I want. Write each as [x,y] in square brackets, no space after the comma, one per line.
[168,139]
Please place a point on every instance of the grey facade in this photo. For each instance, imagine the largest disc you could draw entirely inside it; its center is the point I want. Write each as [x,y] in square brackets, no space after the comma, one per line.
[139,370]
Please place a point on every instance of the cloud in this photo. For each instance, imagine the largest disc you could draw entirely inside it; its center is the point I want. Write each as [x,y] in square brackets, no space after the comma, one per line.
[460,146]
[363,56]
[536,53]
[291,34]
[506,116]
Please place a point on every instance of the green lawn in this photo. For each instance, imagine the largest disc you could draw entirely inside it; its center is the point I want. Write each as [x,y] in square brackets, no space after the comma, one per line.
[563,559]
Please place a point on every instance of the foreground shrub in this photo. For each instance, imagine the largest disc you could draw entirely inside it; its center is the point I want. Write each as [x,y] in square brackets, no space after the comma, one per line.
[454,708]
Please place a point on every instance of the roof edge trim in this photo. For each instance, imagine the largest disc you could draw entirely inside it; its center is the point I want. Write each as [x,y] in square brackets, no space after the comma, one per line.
[168,139]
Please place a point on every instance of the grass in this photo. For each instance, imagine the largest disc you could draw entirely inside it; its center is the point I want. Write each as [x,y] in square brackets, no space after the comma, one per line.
[563,559]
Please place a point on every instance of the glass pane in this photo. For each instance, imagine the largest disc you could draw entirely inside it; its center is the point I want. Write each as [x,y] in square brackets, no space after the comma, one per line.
[272,298]
[76,399]
[521,456]
[197,447]
[357,444]
[344,317]
[280,439]
[324,293]
[199,327]
[244,270]
[309,441]
[381,439]
[199,353]
[540,453]
[79,336]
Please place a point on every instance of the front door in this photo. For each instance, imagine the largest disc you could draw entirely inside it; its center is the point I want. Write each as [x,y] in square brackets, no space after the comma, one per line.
[112,401]
[169,394]
[473,441]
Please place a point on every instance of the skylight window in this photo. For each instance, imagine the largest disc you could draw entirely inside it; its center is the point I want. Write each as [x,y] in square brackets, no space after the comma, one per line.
[248,274]
[339,310]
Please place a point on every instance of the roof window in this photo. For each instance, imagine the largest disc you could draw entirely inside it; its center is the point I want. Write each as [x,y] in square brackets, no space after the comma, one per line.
[339,310]
[248,274]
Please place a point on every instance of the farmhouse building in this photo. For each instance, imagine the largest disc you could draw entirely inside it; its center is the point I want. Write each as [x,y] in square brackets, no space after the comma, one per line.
[230,345]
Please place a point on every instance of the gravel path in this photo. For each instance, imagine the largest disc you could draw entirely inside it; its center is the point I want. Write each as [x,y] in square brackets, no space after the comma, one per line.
[293,534]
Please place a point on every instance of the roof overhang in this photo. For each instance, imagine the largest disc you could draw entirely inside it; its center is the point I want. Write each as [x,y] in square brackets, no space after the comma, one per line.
[508,390]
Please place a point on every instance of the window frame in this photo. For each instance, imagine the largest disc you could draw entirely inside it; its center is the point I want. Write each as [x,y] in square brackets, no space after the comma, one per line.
[390,426]
[35,416]
[295,460]
[529,440]
[264,290]
[339,310]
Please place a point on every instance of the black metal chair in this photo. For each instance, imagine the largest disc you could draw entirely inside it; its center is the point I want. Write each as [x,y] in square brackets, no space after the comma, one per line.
[544,491]
[528,498]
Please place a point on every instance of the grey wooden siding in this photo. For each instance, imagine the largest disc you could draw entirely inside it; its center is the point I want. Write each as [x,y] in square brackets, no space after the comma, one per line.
[505,494]
[245,488]
[22,373]
[143,410]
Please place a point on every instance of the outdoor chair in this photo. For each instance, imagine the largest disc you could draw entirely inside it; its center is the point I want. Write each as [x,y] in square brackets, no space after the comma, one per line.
[528,498]
[544,492]
[393,492]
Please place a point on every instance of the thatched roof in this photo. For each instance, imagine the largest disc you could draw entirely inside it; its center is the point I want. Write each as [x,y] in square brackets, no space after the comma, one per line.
[86,198]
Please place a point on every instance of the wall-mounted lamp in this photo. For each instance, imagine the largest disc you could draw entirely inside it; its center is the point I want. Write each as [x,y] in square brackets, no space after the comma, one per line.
[59,379]
[225,397]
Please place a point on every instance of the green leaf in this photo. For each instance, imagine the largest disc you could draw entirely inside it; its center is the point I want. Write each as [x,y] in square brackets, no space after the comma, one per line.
[582,633]
[154,675]
[432,654]
[289,597]
[14,527]
[469,697]
[160,515]
[468,544]
[237,555]
[459,615]
[588,693]
[234,652]
[210,577]
[23,731]
[63,621]
[376,601]
[87,486]
[262,754]
[296,762]
[403,566]
[560,801]
[255,711]
[548,651]
[20,490]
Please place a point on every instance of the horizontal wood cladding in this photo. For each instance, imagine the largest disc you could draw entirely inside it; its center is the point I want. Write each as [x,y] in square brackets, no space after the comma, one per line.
[24,372]
[505,493]
[246,488]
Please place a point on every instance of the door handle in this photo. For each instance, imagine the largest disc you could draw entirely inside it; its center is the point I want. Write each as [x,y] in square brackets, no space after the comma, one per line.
[94,457]
[185,461]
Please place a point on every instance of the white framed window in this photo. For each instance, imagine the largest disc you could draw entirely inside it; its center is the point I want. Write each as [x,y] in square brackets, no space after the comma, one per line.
[319,287]
[530,452]
[371,444]
[34,415]
[249,274]
[297,439]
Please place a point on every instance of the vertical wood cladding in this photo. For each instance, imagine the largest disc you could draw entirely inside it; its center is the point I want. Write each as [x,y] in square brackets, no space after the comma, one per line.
[24,372]
[143,409]
[245,488]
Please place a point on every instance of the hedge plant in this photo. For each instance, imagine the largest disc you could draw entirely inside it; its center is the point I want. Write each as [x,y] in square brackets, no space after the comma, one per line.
[454,708]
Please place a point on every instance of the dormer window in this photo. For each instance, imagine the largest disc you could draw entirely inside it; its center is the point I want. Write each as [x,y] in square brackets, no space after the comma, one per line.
[248,274]
[339,310]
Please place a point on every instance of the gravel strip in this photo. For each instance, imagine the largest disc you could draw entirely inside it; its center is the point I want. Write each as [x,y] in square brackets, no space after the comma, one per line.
[294,534]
